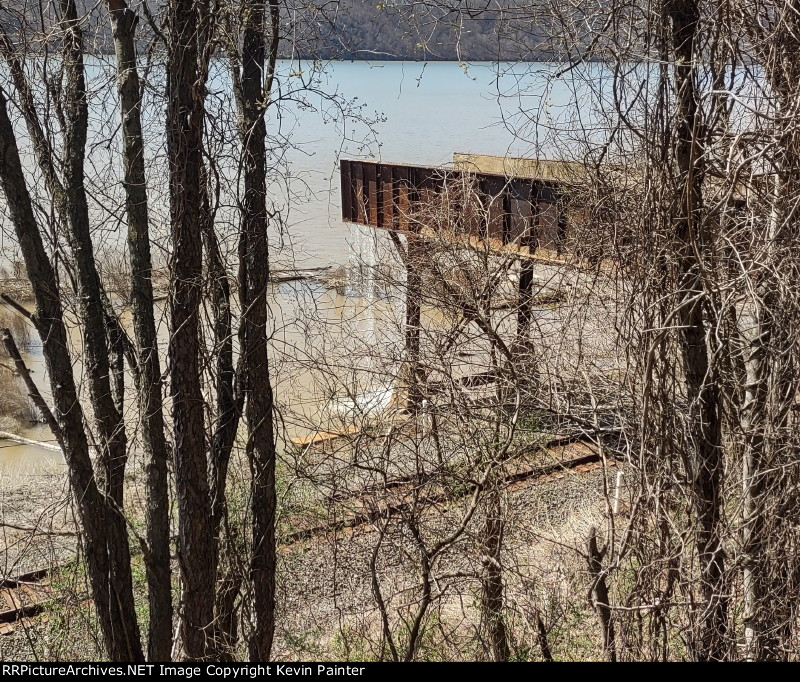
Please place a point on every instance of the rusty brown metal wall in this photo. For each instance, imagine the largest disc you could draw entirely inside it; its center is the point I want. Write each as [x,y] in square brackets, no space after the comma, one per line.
[523,211]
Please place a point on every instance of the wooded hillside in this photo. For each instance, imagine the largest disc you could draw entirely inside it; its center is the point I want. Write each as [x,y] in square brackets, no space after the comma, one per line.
[350,29]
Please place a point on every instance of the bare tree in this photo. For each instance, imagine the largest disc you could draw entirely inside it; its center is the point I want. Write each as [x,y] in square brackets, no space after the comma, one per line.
[203,424]
[148,370]
[687,126]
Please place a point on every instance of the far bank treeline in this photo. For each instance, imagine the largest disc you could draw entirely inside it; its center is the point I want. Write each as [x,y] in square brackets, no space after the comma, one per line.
[351,29]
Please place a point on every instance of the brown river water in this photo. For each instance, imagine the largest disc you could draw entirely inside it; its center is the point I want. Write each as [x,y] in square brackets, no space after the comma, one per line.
[428,112]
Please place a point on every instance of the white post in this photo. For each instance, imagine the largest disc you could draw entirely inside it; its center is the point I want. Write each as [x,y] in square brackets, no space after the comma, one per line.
[617,487]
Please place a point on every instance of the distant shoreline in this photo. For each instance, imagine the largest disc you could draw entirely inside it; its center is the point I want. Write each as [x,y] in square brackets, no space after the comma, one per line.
[545,59]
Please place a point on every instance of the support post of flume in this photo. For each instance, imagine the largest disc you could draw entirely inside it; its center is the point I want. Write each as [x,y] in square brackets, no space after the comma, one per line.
[524,310]
[525,291]
[561,229]
[413,321]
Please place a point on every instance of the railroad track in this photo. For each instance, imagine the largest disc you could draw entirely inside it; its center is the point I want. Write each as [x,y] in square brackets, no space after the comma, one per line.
[30,594]
[23,596]
[398,495]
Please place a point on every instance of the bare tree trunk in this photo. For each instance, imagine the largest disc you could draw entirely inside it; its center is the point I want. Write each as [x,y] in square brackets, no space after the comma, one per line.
[541,637]
[120,637]
[600,597]
[228,401]
[109,420]
[258,66]
[413,322]
[753,491]
[185,110]
[755,420]
[123,21]
[492,580]
[705,432]
[226,422]
[770,388]
[426,594]
[110,424]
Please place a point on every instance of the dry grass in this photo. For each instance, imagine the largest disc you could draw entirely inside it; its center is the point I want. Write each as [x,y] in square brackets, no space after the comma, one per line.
[19,328]
[16,407]
[14,280]
[13,269]
[115,272]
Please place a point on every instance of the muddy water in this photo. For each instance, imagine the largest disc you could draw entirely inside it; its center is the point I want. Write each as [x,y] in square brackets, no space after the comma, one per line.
[316,331]
[429,112]
[18,460]
[419,113]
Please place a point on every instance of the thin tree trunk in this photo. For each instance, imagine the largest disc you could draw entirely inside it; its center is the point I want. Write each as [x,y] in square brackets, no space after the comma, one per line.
[185,111]
[123,22]
[492,581]
[770,388]
[754,422]
[228,401]
[226,423]
[109,420]
[600,596]
[541,637]
[254,250]
[705,432]
[770,383]
[110,424]
[120,639]
[753,509]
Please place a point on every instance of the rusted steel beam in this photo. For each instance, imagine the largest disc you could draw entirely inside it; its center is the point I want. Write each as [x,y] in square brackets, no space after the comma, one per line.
[30,577]
[346,182]
[386,214]
[371,176]
[359,199]
[405,198]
